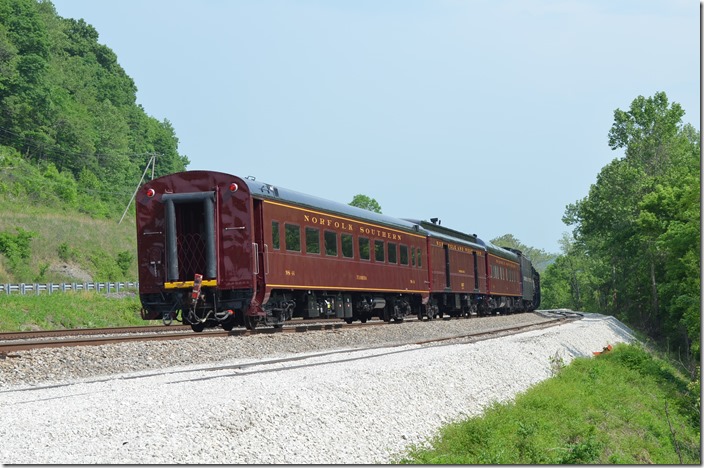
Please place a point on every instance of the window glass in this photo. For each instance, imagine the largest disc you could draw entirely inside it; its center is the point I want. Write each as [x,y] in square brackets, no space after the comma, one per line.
[330,243]
[364,248]
[403,254]
[413,256]
[293,237]
[418,257]
[347,245]
[391,248]
[312,240]
[379,250]
[275,237]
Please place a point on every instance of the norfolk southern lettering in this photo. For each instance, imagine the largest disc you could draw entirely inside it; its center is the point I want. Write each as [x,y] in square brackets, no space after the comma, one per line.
[351,227]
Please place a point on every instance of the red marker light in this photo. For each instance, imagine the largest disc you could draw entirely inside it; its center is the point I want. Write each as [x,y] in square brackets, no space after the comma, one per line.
[233,187]
[150,192]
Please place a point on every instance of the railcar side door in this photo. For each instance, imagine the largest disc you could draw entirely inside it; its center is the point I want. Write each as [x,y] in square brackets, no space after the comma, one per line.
[260,259]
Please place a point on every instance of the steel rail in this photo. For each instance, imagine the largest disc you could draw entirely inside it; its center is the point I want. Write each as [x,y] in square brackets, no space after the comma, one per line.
[35,334]
[249,368]
[24,345]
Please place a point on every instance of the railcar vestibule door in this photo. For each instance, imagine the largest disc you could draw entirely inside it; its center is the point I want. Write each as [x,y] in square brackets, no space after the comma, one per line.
[191,243]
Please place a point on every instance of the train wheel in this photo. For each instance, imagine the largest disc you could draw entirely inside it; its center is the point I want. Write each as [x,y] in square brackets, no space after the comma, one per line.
[363,319]
[198,327]
[348,320]
[250,322]
[386,315]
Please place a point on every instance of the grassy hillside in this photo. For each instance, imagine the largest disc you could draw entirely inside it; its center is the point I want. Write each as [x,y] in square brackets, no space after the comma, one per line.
[68,246]
[622,407]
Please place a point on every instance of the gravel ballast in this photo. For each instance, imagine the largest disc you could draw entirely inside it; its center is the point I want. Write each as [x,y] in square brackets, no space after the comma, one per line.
[117,404]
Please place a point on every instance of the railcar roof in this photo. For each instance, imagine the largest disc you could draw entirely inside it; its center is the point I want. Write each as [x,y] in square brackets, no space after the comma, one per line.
[272,192]
[501,252]
[442,232]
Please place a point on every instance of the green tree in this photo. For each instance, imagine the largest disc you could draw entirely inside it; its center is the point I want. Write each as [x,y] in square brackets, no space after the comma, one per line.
[539,257]
[66,101]
[366,203]
[637,233]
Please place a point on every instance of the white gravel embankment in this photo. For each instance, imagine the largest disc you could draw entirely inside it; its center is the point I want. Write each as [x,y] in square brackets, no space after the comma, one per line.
[346,411]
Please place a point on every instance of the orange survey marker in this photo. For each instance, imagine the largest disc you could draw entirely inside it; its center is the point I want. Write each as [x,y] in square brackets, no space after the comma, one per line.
[605,350]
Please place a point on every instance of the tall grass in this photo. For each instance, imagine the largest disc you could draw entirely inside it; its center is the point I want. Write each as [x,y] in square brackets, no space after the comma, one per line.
[625,406]
[87,245]
[83,309]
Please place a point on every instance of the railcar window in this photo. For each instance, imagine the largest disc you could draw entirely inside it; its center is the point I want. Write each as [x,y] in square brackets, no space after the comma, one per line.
[364,248]
[379,250]
[391,247]
[275,237]
[403,254]
[418,258]
[347,245]
[312,240]
[330,243]
[293,237]
[413,256]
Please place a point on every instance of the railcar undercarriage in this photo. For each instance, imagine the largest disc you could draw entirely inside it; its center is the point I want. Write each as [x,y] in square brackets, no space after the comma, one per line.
[199,307]
[467,305]
[347,306]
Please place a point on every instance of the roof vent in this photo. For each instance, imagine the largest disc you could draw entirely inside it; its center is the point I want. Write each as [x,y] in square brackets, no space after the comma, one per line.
[270,189]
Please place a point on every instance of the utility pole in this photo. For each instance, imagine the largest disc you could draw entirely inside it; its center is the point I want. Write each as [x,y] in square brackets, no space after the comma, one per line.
[152,162]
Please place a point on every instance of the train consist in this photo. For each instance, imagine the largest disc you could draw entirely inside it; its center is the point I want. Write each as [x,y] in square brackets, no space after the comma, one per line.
[226,251]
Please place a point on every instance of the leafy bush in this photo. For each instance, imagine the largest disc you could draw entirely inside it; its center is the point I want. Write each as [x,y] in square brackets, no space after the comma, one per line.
[16,247]
[124,261]
[66,253]
[624,406]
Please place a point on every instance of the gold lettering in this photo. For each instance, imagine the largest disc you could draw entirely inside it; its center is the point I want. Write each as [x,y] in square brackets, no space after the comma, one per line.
[366,230]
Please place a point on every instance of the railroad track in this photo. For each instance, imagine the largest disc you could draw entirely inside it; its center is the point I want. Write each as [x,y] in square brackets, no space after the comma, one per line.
[22,341]
[323,358]
[260,367]
[65,333]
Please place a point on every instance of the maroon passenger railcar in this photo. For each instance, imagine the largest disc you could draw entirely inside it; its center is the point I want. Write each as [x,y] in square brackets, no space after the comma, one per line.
[469,276]
[222,250]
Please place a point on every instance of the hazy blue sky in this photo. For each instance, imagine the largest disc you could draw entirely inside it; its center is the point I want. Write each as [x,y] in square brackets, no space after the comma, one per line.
[490,115]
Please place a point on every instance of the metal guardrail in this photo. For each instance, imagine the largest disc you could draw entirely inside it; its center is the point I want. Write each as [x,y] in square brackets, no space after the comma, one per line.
[37,288]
